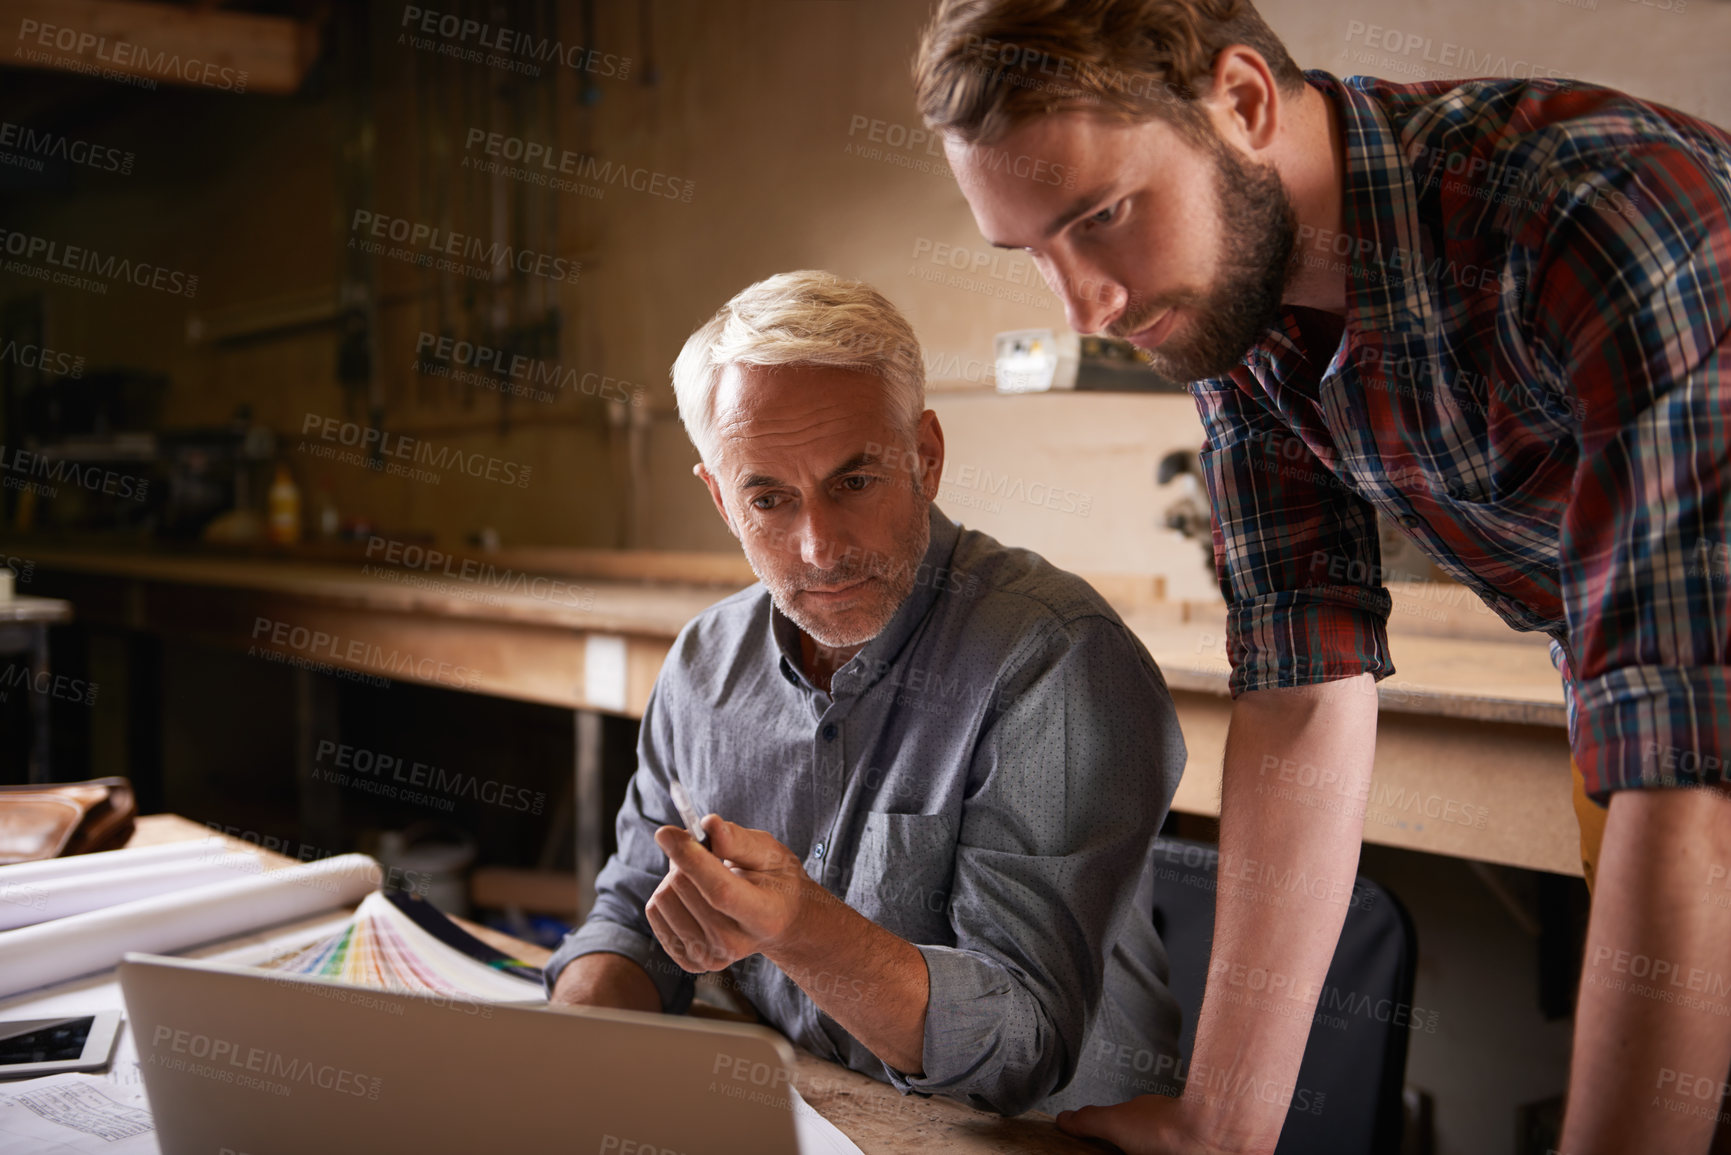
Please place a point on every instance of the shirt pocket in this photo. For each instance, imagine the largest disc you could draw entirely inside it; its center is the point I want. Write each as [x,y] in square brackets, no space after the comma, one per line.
[902,873]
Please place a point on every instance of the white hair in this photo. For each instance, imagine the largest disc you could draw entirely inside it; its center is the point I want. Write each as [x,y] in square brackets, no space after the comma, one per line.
[807,317]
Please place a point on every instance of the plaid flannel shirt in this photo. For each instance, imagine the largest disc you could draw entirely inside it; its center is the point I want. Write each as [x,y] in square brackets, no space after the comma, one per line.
[1534,382]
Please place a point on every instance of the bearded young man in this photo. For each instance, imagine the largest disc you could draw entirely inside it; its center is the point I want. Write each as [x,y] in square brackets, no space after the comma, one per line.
[937,765]
[1494,311]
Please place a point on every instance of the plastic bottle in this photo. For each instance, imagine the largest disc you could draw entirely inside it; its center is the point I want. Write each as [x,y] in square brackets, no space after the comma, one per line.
[285,508]
[330,522]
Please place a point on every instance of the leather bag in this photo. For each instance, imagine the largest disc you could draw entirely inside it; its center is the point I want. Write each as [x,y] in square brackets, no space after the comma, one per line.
[48,820]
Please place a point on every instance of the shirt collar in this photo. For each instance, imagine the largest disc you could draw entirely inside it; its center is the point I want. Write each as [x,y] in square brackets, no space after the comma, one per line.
[1385,284]
[876,656]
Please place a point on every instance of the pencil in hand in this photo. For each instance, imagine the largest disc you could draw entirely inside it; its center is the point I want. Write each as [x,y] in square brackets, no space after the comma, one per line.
[688,812]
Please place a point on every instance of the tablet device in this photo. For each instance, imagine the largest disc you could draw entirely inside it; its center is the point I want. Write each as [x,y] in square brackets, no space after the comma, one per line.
[32,1047]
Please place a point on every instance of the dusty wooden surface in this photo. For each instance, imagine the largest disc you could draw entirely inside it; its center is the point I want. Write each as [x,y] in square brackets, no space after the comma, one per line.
[1451,659]
[882,1121]
[1472,756]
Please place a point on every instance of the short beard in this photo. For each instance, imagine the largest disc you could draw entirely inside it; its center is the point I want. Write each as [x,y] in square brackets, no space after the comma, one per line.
[1257,261]
[896,574]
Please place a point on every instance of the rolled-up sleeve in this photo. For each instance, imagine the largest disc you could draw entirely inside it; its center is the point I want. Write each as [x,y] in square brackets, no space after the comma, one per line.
[617,922]
[1069,782]
[1630,312]
[1295,549]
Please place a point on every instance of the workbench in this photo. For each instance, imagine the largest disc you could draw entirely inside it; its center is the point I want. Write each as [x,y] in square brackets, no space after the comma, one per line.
[1472,750]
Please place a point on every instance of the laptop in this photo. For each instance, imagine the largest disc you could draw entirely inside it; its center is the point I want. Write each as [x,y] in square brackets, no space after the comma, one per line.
[238,1061]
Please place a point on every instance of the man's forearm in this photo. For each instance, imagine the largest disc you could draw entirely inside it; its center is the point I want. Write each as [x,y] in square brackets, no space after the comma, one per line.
[871,982]
[1653,1026]
[1296,779]
[604,979]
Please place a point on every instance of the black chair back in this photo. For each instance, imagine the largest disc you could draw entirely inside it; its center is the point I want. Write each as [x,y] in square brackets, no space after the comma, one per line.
[1348,1098]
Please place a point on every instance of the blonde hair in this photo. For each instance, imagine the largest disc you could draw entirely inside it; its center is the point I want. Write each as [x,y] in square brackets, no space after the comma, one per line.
[808,317]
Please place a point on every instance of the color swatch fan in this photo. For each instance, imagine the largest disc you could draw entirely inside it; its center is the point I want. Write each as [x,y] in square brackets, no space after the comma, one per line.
[403,943]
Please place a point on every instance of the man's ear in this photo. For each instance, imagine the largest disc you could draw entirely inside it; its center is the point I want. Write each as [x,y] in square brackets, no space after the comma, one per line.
[702,472]
[929,442]
[1244,98]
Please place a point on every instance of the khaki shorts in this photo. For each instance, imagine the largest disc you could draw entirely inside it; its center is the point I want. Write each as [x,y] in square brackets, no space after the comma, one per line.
[1591,816]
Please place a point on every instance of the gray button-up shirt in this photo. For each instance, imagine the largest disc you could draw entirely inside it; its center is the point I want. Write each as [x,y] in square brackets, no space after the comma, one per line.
[984,779]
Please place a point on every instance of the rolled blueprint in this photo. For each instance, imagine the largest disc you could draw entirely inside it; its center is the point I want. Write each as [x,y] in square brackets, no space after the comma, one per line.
[27,903]
[44,869]
[53,952]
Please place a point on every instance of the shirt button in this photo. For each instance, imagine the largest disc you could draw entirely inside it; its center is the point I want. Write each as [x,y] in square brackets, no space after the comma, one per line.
[1408,521]
[817,851]
[829,732]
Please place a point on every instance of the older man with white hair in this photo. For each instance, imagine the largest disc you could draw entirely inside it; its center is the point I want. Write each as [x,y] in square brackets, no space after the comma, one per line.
[933,765]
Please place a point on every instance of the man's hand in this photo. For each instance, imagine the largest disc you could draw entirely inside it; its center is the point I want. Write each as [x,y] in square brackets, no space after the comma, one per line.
[1148,1125]
[743,896]
[752,896]
[1323,734]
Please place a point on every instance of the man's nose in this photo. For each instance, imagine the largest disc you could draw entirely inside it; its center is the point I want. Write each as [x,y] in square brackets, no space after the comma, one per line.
[821,534]
[1091,301]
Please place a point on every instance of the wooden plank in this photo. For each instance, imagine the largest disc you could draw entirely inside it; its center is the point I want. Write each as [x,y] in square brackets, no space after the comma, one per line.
[161,829]
[503,595]
[1509,681]
[882,1121]
[691,567]
[537,891]
[520,659]
[1514,765]
[165,43]
[1490,792]
[1129,592]
[1503,676]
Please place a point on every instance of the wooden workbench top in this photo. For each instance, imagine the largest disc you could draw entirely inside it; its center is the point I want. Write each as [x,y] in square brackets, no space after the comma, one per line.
[1489,681]
[1451,660]
[502,594]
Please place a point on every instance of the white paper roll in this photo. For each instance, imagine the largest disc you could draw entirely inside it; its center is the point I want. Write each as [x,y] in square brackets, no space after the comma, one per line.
[47,868]
[53,952]
[28,903]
